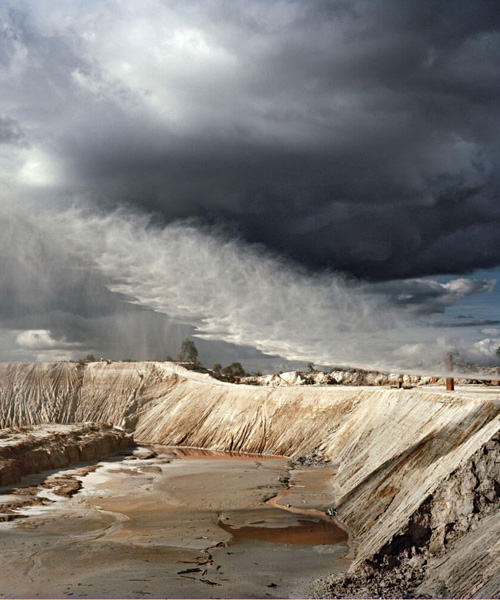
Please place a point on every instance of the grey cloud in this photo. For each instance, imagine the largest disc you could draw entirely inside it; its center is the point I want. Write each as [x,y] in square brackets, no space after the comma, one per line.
[356,136]
[39,273]
[359,136]
[426,296]
[465,323]
[10,132]
[56,304]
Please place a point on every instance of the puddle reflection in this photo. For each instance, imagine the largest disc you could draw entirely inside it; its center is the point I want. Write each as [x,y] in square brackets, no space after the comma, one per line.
[307,532]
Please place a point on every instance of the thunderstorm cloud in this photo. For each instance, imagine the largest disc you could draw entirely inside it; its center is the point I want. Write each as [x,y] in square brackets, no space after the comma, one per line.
[227,169]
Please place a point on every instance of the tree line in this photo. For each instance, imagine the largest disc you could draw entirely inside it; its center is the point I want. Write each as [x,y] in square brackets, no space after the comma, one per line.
[189,354]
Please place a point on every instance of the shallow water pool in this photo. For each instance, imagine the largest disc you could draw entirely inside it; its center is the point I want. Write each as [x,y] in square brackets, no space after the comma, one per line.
[180,524]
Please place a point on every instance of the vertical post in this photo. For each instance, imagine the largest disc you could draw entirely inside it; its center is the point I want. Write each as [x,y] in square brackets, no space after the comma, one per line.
[450,381]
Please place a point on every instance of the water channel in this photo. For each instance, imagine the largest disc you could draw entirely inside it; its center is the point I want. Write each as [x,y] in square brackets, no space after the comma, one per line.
[177,524]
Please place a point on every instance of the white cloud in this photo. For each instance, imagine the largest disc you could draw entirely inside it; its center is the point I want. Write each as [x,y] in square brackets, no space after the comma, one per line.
[228,290]
[41,340]
[465,287]
[484,351]
[38,169]
[235,292]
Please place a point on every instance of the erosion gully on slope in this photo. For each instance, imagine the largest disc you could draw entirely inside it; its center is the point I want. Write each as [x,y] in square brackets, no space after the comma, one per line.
[177,523]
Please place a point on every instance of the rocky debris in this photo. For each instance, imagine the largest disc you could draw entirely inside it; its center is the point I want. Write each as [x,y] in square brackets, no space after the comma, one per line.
[461,501]
[470,566]
[29,450]
[361,377]
[372,583]
[310,460]
[351,377]
[463,498]
[453,533]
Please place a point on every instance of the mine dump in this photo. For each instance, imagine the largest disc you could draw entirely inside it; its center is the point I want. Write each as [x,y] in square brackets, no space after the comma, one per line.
[147,479]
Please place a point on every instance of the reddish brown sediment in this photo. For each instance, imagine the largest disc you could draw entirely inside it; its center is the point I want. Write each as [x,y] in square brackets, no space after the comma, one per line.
[153,525]
[304,533]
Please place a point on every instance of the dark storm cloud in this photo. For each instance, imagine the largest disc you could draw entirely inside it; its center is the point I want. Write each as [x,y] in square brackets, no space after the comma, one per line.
[362,136]
[357,136]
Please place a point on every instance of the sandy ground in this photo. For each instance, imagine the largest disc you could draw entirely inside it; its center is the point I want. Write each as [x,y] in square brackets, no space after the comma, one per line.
[178,525]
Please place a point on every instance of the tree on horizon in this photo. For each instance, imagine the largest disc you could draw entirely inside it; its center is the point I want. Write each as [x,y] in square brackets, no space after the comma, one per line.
[188,352]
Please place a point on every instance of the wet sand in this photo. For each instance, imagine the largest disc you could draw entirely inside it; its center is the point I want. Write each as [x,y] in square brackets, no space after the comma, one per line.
[182,524]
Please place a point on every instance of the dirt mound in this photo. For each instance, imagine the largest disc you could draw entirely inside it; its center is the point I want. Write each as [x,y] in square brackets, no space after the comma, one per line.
[42,448]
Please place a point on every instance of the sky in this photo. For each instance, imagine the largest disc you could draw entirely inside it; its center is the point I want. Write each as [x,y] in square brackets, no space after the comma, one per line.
[283,181]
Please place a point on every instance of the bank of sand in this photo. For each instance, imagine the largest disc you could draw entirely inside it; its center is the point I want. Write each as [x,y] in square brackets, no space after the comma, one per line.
[177,525]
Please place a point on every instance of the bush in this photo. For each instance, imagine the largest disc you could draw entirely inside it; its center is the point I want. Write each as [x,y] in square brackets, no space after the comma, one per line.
[233,371]
[87,359]
[217,370]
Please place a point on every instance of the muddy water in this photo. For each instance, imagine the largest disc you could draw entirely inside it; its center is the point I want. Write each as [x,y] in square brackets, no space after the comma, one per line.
[182,524]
